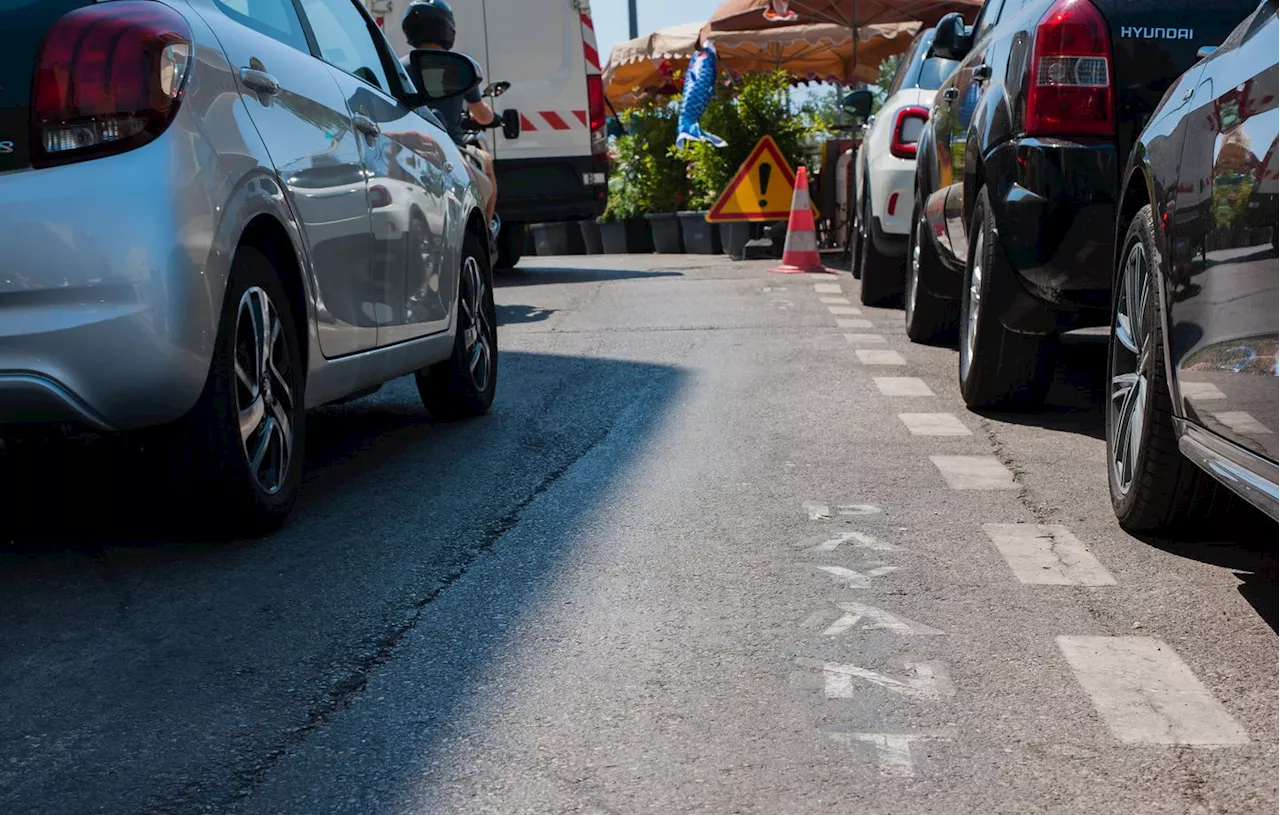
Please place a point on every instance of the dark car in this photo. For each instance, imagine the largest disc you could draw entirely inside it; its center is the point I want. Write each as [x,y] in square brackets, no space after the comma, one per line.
[1019,169]
[1193,360]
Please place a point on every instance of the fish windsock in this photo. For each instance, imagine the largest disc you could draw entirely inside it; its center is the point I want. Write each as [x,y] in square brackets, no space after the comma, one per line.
[778,12]
[699,86]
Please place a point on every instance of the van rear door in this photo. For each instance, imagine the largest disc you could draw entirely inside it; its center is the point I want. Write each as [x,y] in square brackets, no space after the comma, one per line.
[538,46]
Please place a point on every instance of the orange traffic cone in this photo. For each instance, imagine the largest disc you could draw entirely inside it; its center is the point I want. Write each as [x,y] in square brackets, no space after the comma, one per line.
[800,252]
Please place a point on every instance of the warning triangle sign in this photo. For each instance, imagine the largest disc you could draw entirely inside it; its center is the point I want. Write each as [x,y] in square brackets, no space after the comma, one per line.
[761,190]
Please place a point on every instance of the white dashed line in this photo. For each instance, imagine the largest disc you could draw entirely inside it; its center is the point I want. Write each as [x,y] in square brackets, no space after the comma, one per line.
[934,424]
[844,311]
[924,680]
[1047,555]
[854,323]
[1243,423]
[1146,694]
[902,386]
[1200,390]
[857,580]
[974,472]
[893,750]
[865,339]
[861,617]
[860,540]
[834,301]
[877,357]
[827,288]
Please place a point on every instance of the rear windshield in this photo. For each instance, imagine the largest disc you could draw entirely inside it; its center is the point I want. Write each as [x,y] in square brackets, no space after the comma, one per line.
[934,71]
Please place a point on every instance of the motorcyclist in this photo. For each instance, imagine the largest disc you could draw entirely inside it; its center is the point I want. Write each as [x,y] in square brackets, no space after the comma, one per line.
[429,24]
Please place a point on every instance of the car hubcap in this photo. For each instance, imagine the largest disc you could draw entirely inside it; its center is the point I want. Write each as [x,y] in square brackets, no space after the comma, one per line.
[475,326]
[975,303]
[1131,358]
[264,398]
[913,272]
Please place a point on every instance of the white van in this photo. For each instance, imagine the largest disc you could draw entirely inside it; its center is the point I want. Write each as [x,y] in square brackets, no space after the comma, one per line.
[555,167]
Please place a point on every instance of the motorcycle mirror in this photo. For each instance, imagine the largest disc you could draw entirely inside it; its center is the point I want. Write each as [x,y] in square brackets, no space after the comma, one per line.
[496,89]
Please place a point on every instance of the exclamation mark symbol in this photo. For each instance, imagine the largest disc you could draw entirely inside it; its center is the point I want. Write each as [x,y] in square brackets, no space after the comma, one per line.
[765,171]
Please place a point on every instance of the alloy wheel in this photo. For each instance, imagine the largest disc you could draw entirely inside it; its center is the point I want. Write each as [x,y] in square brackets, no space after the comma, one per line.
[265,401]
[476,331]
[1131,360]
[913,271]
[974,307]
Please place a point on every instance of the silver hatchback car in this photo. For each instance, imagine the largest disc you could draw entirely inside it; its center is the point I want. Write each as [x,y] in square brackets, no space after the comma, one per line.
[216,214]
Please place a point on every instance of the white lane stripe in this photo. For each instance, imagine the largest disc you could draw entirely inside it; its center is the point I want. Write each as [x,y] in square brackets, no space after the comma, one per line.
[877,357]
[865,339]
[1146,694]
[902,386]
[873,619]
[1240,422]
[893,750]
[934,424]
[834,301]
[974,472]
[1047,555]
[844,311]
[827,288]
[924,680]
[858,539]
[854,323]
[857,580]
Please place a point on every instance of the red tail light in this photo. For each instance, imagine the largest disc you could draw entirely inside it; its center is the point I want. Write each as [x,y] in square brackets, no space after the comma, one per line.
[1070,81]
[595,112]
[379,196]
[907,127]
[109,78]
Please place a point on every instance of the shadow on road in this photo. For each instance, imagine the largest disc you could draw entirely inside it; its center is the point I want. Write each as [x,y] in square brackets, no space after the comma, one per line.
[1077,399]
[532,275]
[141,673]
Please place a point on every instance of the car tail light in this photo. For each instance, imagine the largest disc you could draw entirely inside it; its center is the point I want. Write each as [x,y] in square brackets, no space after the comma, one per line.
[379,196]
[595,113]
[1070,81]
[109,78]
[908,124]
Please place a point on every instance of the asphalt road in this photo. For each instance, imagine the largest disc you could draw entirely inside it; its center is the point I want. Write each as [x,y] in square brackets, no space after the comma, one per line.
[695,560]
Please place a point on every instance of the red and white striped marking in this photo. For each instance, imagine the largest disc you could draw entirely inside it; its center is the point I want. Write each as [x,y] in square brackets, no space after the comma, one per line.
[554,120]
[589,48]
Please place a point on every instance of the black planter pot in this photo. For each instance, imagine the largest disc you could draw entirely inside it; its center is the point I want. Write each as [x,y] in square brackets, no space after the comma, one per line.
[666,233]
[591,237]
[700,237]
[734,236]
[626,237]
[558,239]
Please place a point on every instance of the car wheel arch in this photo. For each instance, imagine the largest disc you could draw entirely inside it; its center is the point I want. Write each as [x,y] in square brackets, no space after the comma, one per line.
[269,236]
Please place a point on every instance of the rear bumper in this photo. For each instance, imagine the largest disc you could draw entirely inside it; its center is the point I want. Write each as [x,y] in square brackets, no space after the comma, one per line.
[547,190]
[105,317]
[892,184]
[1055,204]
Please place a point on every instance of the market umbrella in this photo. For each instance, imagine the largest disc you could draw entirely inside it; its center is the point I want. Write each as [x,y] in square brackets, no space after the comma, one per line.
[740,15]
[807,52]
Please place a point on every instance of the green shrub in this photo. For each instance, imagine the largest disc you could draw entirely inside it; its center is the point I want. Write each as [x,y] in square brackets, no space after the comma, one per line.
[647,175]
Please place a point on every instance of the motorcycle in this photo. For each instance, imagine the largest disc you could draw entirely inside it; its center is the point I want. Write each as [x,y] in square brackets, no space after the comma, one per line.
[473,136]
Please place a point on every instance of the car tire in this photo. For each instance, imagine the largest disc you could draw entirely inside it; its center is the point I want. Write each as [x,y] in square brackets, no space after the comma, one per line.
[244,482]
[511,240]
[930,320]
[881,276]
[463,385]
[998,367]
[1154,488]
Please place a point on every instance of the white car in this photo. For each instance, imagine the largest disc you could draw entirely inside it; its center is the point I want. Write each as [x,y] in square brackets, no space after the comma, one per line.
[885,171]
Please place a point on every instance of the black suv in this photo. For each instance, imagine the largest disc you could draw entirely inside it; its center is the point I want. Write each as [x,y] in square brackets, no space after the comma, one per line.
[1018,171]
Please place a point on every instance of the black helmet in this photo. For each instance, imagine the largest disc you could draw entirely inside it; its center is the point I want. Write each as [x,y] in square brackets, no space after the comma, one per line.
[429,21]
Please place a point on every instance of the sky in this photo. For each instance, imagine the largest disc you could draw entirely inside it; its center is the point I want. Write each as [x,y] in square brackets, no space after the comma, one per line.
[610,17]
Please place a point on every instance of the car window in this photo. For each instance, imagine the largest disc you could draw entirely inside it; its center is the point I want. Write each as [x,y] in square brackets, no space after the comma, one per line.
[904,67]
[277,19]
[343,37]
[934,72]
[987,18]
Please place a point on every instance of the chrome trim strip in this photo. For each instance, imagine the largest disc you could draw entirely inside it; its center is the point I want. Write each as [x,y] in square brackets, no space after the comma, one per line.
[1239,470]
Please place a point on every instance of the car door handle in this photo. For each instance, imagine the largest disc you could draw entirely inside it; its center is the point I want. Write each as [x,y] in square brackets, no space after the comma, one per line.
[260,81]
[950,94]
[982,73]
[366,125]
